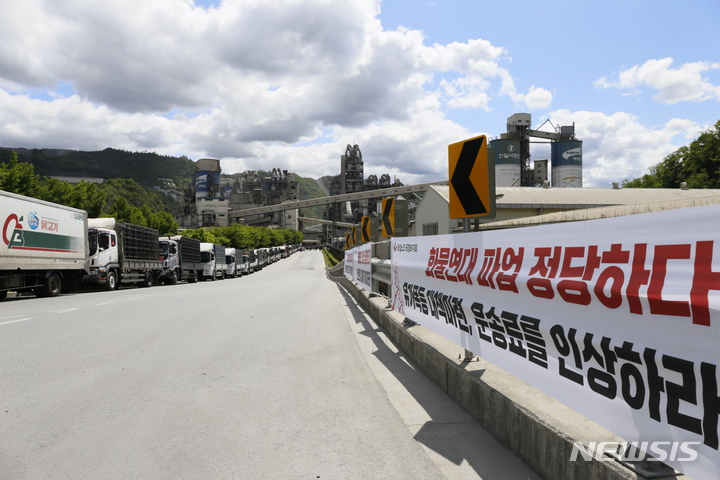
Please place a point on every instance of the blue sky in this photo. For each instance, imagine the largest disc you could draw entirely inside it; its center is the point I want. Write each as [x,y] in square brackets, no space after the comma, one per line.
[290,83]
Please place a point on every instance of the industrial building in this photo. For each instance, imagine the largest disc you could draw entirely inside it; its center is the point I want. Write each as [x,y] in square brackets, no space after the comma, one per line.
[211,197]
[352,180]
[511,154]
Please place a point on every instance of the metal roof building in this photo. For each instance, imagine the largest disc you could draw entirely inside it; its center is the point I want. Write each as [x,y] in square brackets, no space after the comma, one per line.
[523,206]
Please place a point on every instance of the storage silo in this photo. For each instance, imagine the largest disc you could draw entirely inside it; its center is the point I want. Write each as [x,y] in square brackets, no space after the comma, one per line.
[508,164]
[207,184]
[202,184]
[566,157]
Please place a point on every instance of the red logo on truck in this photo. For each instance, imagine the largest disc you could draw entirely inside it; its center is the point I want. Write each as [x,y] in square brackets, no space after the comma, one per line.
[18,226]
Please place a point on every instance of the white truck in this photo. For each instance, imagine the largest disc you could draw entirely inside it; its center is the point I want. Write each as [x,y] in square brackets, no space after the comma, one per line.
[213,259]
[231,262]
[45,246]
[253,264]
[242,263]
[181,259]
[122,253]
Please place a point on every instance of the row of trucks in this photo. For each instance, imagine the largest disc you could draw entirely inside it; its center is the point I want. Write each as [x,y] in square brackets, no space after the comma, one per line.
[48,249]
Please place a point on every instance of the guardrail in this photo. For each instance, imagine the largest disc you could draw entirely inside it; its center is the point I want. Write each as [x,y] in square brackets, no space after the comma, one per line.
[501,403]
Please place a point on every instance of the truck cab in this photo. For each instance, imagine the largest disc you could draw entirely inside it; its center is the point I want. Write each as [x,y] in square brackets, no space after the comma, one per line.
[103,257]
[253,265]
[170,255]
[242,262]
[231,262]
[207,258]
[120,252]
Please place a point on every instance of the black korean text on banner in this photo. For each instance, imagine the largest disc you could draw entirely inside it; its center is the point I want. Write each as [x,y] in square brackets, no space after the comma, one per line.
[618,319]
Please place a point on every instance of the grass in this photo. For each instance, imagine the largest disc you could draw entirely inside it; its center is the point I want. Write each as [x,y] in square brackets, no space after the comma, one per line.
[330,261]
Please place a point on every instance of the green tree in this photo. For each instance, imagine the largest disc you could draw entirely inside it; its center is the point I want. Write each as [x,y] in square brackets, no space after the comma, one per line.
[163,222]
[89,197]
[19,177]
[698,164]
[207,236]
[122,211]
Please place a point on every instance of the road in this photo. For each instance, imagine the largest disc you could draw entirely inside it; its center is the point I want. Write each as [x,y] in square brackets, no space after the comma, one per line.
[276,375]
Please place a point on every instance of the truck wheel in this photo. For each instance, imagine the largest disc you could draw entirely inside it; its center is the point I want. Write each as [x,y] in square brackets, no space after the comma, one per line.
[52,285]
[111,282]
[3,294]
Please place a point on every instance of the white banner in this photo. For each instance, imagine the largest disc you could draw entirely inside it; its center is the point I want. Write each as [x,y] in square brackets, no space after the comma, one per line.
[616,318]
[350,264]
[363,266]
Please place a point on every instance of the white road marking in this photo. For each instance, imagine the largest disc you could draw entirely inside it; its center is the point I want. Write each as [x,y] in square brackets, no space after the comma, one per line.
[15,321]
[66,310]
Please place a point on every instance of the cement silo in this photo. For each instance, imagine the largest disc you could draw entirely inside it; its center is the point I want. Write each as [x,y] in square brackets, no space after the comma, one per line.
[566,159]
[206,184]
[207,178]
[508,162]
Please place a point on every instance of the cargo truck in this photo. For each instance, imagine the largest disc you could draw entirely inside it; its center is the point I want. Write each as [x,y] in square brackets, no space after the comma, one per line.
[242,263]
[221,267]
[122,253]
[181,259]
[213,260]
[262,257]
[44,247]
[253,265]
[231,262]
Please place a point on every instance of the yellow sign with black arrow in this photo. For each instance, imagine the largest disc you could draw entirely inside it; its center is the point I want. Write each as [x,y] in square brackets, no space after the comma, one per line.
[388,217]
[472,179]
[394,217]
[369,229]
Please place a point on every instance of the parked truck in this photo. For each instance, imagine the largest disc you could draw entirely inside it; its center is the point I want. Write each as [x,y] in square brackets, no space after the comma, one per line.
[213,260]
[253,265]
[44,247]
[181,259]
[122,253]
[231,262]
[242,263]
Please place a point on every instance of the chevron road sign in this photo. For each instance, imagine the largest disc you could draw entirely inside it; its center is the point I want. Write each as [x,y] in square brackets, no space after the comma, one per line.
[472,179]
[394,217]
[369,229]
[388,217]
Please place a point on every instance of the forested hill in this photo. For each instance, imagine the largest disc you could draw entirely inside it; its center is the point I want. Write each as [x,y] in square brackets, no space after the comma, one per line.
[143,167]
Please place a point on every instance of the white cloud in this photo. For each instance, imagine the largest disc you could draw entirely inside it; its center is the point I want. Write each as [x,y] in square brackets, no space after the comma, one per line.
[674,85]
[618,147]
[246,82]
[285,84]
[536,98]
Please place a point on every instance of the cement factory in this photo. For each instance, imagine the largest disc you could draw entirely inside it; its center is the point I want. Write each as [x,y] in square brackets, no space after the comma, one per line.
[219,200]
[512,156]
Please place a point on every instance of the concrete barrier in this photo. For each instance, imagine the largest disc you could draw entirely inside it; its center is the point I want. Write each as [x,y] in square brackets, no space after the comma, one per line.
[529,423]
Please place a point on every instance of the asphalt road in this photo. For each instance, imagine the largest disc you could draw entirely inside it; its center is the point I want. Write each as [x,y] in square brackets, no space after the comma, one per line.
[276,375]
